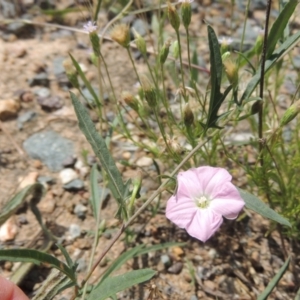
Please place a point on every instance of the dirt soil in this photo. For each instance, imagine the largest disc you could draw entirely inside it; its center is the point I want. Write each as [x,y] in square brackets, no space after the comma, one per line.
[237,263]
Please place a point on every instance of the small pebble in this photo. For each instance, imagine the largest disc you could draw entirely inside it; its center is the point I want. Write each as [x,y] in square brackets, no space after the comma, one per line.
[144,162]
[67,175]
[76,184]
[8,230]
[176,268]
[165,259]
[80,211]
[9,109]
[75,231]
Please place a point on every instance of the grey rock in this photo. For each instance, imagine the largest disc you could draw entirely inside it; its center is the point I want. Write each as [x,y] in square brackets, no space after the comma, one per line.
[24,118]
[50,103]
[194,297]
[80,211]
[176,268]
[42,92]
[165,259]
[50,148]
[81,265]
[75,231]
[8,9]
[76,184]
[46,180]
[69,162]
[140,26]
[39,79]
[58,67]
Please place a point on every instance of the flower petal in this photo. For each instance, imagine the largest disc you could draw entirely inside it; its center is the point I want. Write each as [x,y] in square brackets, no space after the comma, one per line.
[180,211]
[228,201]
[204,224]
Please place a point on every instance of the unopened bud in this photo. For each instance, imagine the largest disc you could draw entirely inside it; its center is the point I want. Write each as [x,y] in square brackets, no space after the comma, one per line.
[140,42]
[175,49]
[290,114]
[173,17]
[71,73]
[120,34]
[94,38]
[163,54]
[130,100]
[256,107]
[149,91]
[231,70]
[188,116]
[186,13]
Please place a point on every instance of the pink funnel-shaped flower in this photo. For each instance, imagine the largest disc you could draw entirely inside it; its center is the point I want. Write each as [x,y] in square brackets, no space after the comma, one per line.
[204,196]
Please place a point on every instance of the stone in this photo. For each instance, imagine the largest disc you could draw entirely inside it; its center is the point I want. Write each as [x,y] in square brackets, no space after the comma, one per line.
[42,92]
[50,148]
[165,259]
[144,161]
[176,268]
[8,230]
[50,103]
[39,79]
[80,211]
[75,231]
[141,27]
[24,118]
[67,175]
[76,184]
[9,109]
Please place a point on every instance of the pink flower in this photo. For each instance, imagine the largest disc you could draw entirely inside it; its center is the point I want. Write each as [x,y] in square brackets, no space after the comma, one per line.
[90,27]
[204,195]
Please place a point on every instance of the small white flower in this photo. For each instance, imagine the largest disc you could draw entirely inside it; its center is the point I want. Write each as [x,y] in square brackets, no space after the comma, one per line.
[90,27]
[225,40]
[185,1]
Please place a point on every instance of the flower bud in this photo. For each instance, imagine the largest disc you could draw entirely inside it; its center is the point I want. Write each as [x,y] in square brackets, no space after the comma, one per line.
[120,34]
[164,51]
[231,70]
[290,114]
[186,14]
[256,106]
[149,91]
[173,17]
[140,42]
[188,116]
[175,49]
[71,73]
[130,100]
[94,38]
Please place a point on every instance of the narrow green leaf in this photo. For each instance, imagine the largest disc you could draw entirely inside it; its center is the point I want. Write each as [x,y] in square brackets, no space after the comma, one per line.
[194,71]
[95,18]
[138,250]
[66,255]
[95,199]
[113,285]
[86,82]
[216,67]
[36,257]
[278,54]
[11,206]
[279,26]
[98,144]
[272,284]
[255,204]
[55,283]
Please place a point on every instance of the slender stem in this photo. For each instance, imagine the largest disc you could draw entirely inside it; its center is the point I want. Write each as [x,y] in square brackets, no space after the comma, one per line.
[181,66]
[101,112]
[262,77]
[135,70]
[188,49]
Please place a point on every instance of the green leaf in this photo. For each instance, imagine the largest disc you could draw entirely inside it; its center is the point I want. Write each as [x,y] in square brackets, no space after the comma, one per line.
[86,82]
[100,149]
[279,26]
[274,281]
[113,285]
[55,283]
[255,204]
[216,67]
[95,199]
[278,53]
[11,206]
[95,18]
[138,250]
[66,255]
[36,257]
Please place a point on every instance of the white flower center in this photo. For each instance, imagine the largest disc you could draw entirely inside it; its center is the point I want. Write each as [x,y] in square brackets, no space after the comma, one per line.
[202,201]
